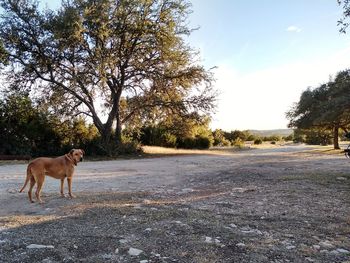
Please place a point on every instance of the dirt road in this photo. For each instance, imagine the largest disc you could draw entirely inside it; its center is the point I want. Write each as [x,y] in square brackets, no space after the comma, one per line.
[283,204]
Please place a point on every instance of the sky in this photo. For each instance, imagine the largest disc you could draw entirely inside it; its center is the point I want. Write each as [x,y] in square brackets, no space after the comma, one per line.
[266,53]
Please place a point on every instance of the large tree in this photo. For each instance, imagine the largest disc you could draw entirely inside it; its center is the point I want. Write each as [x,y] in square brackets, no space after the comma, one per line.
[89,56]
[325,107]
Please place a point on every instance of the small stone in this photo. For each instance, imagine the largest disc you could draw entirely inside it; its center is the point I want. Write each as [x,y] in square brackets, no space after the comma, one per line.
[148,229]
[326,244]
[343,251]
[134,251]
[240,245]
[217,241]
[12,191]
[208,240]
[107,256]
[123,241]
[144,261]
[116,251]
[248,230]
[341,178]
[75,246]
[233,226]
[316,247]
[310,259]
[33,246]
[290,247]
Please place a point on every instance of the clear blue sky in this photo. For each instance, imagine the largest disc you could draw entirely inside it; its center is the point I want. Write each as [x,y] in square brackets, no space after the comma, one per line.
[252,35]
[267,52]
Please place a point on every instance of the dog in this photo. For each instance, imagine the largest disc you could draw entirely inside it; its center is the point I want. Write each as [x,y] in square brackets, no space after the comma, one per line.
[60,168]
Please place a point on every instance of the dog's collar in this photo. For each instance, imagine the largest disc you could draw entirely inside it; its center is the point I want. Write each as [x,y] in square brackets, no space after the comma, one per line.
[71,160]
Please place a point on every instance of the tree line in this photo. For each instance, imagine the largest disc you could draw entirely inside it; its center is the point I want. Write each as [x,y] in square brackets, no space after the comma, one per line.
[29,128]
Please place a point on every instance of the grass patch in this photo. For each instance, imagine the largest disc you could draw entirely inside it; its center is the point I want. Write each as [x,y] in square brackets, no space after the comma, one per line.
[324,179]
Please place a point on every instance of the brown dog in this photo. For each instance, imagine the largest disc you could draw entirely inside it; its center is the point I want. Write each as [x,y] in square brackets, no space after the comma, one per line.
[59,168]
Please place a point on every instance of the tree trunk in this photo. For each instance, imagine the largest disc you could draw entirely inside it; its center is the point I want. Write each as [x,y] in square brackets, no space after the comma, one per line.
[118,128]
[336,137]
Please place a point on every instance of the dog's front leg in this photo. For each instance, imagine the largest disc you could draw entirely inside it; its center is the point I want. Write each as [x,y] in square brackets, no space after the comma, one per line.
[69,180]
[62,187]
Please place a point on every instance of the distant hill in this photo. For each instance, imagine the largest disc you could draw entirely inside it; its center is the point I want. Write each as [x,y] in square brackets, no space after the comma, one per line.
[279,132]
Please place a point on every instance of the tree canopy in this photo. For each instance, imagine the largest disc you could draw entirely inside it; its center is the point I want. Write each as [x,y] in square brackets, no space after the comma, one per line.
[112,60]
[327,106]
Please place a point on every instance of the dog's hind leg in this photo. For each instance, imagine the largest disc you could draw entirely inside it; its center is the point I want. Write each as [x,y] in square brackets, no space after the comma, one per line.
[39,185]
[32,183]
[27,179]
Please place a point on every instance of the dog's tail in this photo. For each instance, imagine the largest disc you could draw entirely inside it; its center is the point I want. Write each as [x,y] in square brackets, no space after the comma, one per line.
[29,174]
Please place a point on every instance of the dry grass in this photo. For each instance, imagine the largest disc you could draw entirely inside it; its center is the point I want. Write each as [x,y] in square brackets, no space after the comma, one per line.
[155,150]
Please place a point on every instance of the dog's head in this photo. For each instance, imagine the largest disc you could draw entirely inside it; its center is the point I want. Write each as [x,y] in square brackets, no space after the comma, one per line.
[77,155]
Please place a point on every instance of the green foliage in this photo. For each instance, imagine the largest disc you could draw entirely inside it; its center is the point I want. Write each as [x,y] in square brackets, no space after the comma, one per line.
[238,142]
[272,138]
[169,140]
[198,142]
[31,130]
[324,108]
[288,138]
[25,129]
[220,139]
[258,141]
[233,135]
[132,55]
[343,22]
[314,136]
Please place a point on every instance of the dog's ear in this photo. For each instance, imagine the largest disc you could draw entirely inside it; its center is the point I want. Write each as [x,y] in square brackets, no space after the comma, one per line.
[71,151]
[82,151]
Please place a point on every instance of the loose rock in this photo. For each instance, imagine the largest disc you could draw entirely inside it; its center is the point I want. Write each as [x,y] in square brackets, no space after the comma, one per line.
[134,251]
[31,246]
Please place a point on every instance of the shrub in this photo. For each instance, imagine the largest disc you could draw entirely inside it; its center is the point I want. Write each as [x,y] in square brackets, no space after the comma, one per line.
[219,138]
[199,142]
[202,142]
[168,140]
[238,143]
[258,141]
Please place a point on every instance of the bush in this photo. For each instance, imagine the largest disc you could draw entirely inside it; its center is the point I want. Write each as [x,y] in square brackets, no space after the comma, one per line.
[199,142]
[202,142]
[168,140]
[238,143]
[258,141]
[219,138]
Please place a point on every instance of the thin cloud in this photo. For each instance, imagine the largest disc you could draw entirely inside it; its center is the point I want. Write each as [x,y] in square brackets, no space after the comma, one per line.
[294,29]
